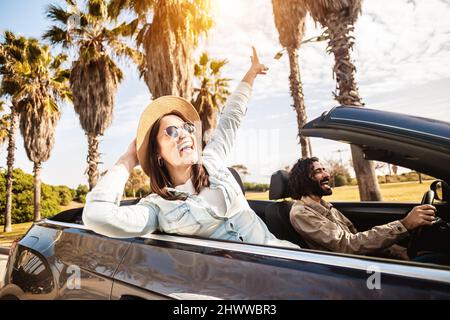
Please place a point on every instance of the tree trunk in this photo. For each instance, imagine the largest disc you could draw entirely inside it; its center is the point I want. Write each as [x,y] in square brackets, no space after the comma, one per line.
[299,102]
[93,160]
[10,165]
[340,44]
[207,113]
[170,62]
[37,191]
[369,189]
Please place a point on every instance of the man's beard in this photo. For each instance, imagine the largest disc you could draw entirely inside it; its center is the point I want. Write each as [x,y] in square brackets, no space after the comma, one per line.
[320,190]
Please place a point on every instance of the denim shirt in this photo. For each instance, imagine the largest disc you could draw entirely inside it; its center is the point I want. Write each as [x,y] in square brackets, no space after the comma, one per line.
[193,216]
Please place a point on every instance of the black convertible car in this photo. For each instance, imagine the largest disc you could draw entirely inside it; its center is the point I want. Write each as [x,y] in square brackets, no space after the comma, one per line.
[59,258]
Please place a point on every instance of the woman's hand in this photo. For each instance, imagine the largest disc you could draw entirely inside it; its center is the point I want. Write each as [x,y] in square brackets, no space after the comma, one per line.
[129,159]
[255,69]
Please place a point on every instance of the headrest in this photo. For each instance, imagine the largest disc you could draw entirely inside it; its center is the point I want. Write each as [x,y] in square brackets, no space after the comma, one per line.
[279,185]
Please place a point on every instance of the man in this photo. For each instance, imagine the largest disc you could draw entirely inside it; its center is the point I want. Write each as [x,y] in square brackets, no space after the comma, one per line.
[325,228]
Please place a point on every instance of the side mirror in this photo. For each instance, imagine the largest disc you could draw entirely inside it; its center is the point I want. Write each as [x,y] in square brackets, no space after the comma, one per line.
[441,190]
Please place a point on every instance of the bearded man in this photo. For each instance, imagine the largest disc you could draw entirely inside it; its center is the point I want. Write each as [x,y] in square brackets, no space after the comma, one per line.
[325,228]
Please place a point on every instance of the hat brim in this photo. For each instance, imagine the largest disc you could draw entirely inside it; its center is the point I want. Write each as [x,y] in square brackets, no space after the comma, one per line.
[151,114]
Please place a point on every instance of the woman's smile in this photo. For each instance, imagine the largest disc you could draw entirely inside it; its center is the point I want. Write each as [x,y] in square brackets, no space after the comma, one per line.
[186,146]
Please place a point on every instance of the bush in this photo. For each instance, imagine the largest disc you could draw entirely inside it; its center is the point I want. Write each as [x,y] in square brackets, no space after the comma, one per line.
[404,177]
[256,187]
[339,175]
[65,194]
[143,192]
[23,198]
[340,180]
[80,193]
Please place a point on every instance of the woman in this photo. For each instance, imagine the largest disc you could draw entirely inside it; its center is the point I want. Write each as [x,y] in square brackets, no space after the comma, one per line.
[193,193]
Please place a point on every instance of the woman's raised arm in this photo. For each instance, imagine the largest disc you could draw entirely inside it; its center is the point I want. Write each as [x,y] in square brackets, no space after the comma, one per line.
[255,69]
[223,137]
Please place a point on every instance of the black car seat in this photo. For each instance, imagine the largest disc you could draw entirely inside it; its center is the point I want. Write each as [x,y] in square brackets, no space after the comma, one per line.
[238,178]
[277,213]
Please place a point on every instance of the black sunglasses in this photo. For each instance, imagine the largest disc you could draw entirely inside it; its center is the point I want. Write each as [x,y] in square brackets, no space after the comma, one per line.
[174,131]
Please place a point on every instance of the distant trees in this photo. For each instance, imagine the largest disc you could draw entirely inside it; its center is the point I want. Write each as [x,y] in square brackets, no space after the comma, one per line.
[138,184]
[211,94]
[65,194]
[256,187]
[22,209]
[52,197]
[394,169]
[339,173]
[80,193]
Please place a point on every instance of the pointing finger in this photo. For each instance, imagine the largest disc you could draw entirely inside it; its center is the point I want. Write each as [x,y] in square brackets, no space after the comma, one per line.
[255,55]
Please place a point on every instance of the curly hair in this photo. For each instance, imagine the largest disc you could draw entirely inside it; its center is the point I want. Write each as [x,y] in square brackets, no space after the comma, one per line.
[300,181]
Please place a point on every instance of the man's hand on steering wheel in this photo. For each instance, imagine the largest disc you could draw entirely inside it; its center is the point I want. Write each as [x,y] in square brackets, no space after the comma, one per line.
[419,216]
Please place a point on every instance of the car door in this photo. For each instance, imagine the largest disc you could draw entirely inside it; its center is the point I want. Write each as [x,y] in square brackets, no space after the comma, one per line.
[175,267]
[56,260]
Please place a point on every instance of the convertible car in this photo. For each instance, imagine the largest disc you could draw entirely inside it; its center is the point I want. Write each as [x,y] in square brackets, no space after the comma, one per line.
[59,258]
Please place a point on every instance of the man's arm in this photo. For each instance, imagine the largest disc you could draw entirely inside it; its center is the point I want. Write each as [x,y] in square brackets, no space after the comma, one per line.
[316,228]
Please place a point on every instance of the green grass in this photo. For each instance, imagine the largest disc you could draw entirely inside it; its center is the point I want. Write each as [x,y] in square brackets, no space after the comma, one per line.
[391,192]
[18,230]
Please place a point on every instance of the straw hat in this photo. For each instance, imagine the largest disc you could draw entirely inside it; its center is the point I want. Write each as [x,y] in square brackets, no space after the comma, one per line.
[153,112]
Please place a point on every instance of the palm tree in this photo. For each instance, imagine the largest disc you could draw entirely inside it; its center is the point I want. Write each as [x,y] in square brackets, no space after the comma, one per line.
[290,18]
[43,83]
[338,18]
[94,77]
[4,131]
[137,179]
[212,93]
[168,40]
[4,124]
[12,52]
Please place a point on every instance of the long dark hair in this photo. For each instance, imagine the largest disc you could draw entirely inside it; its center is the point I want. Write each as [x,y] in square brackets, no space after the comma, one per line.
[300,178]
[159,177]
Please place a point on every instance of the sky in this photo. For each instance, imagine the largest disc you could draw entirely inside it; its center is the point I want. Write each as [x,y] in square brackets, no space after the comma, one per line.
[401,52]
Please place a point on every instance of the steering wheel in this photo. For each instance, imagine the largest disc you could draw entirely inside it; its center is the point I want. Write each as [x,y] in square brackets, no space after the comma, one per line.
[414,243]
[413,246]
